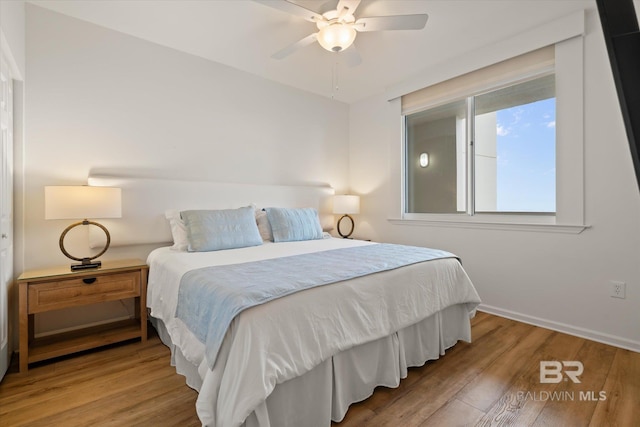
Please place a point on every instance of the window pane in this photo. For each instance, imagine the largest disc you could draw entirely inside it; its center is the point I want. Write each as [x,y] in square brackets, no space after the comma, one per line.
[515,148]
[439,134]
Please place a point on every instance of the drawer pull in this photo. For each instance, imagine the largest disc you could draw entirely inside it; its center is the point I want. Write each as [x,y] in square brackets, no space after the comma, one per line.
[89,280]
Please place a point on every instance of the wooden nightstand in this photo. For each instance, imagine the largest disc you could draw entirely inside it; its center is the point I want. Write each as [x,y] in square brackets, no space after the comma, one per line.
[57,288]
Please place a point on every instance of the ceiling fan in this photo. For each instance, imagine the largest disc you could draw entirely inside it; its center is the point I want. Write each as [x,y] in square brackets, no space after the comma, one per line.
[337,29]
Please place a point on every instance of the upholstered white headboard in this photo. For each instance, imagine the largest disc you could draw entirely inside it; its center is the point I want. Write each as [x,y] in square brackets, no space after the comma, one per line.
[144,202]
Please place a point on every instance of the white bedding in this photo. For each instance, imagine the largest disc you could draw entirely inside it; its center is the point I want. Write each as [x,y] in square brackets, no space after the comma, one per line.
[286,338]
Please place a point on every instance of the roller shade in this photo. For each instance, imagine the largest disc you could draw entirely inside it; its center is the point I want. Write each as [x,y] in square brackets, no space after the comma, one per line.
[475,82]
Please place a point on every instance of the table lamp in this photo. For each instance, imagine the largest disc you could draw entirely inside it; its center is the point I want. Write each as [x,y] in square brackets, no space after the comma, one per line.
[82,202]
[345,205]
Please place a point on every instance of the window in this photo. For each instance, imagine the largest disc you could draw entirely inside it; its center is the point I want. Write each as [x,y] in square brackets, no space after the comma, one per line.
[438,133]
[484,142]
[510,133]
[542,193]
[515,148]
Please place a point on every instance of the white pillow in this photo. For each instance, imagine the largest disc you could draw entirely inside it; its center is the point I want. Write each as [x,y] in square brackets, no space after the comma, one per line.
[263,225]
[178,230]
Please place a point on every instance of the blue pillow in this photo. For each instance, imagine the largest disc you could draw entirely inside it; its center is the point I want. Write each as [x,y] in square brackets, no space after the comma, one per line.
[290,225]
[213,230]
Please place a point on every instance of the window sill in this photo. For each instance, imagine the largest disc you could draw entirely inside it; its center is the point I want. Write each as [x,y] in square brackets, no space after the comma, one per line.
[487,225]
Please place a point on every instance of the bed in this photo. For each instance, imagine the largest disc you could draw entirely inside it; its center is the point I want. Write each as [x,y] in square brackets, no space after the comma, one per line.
[302,357]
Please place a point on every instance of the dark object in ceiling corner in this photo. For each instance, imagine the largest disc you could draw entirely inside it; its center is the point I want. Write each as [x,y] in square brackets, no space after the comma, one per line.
[622,37]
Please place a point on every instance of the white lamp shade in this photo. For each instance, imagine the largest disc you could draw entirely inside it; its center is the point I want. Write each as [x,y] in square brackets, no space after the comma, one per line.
[346,204]
[82,202]
[336,37]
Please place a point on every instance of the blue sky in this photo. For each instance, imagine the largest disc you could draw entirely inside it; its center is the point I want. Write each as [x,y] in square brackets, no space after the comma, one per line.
[526,149]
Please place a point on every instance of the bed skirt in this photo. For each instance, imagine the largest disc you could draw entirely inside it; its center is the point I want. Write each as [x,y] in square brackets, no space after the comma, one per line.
[324,394]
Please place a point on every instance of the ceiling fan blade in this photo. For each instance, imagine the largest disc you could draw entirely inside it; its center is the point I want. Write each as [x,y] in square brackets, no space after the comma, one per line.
[293,9]
[347,6]
[310,39]
[386,23]
[352,56]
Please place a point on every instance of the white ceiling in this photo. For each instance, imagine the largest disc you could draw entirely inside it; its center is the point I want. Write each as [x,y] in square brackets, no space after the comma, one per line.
[244,34]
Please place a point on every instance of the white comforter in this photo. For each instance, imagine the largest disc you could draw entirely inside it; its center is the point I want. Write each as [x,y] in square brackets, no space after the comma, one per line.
[285,338]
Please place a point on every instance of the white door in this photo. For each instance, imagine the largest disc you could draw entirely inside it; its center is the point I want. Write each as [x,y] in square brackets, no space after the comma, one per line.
[6,207]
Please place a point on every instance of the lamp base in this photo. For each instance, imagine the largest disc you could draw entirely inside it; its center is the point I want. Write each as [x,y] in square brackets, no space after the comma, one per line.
[345,236]
[87,262]
[86,265]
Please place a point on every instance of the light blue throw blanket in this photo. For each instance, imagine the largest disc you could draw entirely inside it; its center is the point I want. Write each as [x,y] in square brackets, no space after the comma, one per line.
[210,297]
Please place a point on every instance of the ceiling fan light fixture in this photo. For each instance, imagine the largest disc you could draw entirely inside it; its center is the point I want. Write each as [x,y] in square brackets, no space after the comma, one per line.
[336,37]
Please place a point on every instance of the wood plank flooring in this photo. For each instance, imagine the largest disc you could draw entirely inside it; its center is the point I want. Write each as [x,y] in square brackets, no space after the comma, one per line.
[494,381]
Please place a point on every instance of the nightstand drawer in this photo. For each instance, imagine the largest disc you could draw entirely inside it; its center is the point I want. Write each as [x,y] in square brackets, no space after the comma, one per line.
[81,291]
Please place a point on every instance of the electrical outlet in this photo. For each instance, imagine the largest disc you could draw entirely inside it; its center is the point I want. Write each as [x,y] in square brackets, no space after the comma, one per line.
[618,289]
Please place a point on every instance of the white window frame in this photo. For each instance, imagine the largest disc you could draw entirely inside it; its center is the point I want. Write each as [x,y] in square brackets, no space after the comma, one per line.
[469,142]
[566,35]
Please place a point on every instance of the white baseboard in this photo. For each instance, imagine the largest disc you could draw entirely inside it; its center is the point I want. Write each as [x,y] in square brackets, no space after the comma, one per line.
[613,340]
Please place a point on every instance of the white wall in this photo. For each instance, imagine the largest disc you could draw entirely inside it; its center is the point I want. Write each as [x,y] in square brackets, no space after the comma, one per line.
[557,280]
[102,101]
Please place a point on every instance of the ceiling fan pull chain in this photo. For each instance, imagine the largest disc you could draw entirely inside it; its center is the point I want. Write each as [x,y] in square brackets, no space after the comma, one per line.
[334,80]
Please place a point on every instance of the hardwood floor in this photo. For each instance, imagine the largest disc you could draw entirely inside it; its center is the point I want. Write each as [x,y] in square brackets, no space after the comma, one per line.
[496,381]
[493,381]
